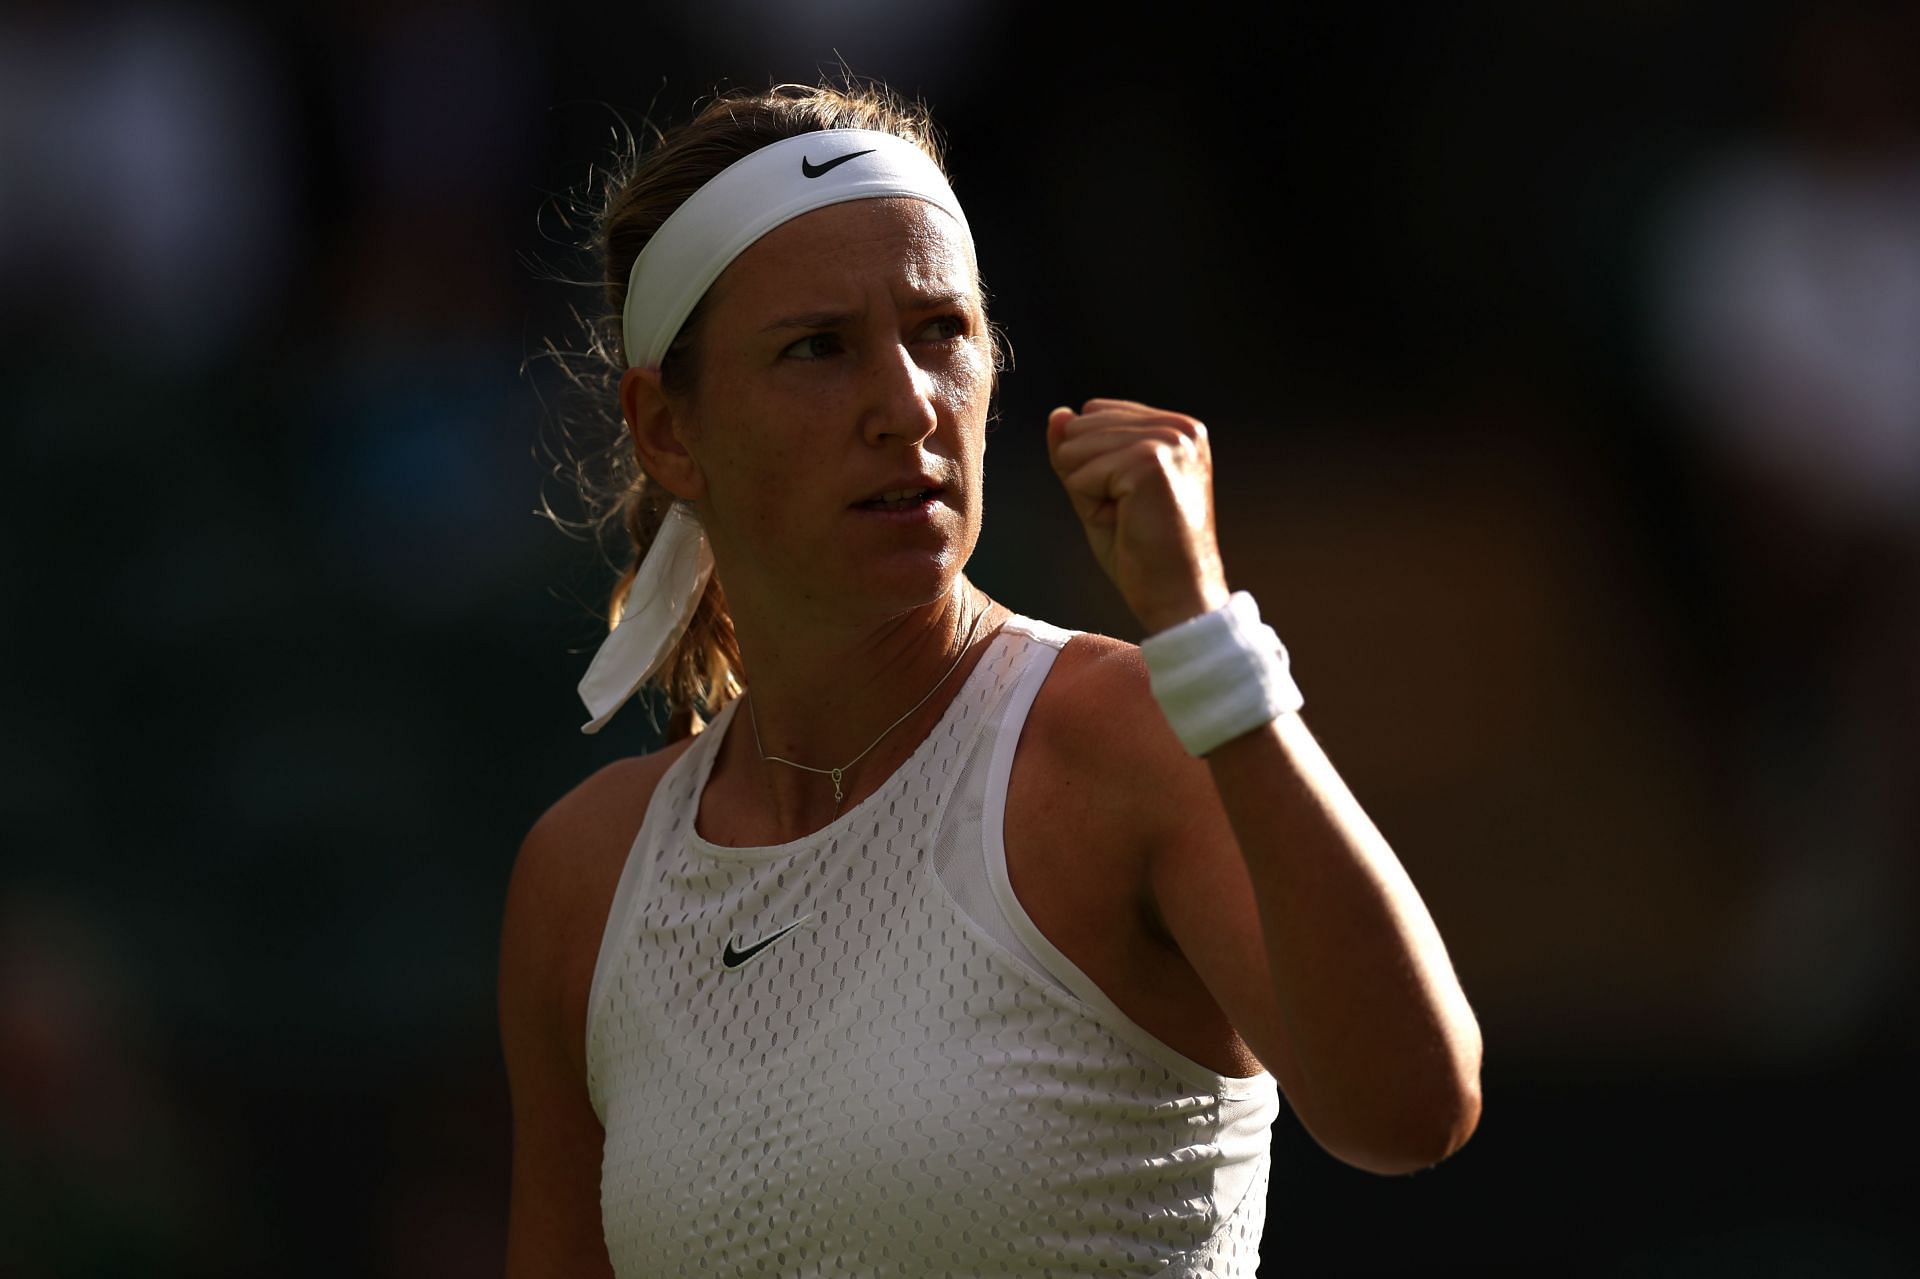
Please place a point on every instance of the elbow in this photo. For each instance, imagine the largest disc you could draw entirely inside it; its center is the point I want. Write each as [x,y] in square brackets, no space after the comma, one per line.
[1412,1114]
[1420,1135]
[1450,1109]
[1459,1119]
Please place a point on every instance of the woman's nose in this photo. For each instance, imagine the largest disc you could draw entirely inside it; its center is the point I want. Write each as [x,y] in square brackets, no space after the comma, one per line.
[900,403]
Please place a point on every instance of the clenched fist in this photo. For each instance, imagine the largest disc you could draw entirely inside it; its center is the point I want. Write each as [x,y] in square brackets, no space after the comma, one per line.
[1141,481]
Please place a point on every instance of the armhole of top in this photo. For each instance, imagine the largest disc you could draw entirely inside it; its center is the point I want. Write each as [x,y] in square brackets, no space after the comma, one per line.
[1011,727]
[640,856]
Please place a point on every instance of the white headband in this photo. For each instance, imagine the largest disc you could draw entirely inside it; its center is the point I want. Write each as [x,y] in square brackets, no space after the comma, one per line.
[741,203]
[751,197]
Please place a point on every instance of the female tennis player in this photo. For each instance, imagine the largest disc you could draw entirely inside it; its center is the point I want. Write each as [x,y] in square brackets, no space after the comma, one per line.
[956,943]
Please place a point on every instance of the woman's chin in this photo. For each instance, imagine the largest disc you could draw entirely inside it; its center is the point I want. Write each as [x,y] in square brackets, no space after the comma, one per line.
[896,587]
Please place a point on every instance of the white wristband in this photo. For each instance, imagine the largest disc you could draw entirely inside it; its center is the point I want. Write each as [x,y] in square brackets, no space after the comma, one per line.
[1221,674]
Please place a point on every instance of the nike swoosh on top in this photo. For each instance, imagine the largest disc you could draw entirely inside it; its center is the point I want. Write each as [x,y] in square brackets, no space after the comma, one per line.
[812,170]
[734,958]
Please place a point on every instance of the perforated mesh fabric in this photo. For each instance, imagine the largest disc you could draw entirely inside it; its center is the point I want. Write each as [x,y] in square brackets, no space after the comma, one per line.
[888,1088]
[960,848]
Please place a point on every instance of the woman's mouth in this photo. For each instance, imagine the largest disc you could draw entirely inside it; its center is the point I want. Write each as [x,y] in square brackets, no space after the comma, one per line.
[899,500]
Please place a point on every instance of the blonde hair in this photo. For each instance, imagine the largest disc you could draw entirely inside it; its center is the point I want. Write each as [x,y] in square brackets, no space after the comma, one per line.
[638,193]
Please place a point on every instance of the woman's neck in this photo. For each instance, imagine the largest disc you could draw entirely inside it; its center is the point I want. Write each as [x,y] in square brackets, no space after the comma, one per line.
[833,698]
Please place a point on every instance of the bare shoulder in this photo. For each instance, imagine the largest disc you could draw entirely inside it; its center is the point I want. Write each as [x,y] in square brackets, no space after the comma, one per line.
[557,903]
[1095,718]
[1100,767]
[562,888]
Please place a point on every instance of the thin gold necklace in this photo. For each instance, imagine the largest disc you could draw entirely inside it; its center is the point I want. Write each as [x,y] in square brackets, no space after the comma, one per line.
[838,773]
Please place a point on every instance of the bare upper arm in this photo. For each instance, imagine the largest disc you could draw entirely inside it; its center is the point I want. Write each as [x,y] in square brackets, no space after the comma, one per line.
[556,911]
[1159,805]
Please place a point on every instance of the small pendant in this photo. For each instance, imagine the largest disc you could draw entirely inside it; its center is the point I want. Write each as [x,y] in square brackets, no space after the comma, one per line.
[837,794]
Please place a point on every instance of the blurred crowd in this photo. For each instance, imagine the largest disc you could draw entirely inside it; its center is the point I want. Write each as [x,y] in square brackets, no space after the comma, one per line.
[1564,372]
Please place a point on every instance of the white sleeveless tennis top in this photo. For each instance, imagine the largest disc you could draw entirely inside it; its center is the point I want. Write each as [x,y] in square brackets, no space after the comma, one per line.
[898,1074]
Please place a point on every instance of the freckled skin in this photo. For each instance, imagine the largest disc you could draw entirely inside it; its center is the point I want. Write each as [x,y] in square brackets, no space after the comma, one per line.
[785,444]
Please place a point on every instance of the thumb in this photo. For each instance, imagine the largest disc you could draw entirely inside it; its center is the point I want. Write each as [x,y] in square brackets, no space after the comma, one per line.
[1056,423]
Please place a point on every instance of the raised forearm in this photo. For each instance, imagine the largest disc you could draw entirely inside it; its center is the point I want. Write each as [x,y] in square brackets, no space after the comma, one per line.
[1387,1053]
[1388,1049]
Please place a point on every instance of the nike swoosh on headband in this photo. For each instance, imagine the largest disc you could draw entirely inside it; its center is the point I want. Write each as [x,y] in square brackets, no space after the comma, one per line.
[734,958]
[812,170]
[749,198]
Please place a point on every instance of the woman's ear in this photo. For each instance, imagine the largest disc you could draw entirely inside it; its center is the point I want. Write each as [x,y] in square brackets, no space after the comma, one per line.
[656,435]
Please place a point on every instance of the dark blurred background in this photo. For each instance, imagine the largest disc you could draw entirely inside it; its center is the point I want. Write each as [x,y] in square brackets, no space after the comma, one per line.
[1563,365]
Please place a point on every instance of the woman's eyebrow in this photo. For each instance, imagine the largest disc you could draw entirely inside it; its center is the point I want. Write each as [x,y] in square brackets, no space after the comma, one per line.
[811,320]
[835,319]
[937,300]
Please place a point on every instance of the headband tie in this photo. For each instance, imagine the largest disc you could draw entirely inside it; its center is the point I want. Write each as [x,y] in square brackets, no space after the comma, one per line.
[715,225]
[655,614]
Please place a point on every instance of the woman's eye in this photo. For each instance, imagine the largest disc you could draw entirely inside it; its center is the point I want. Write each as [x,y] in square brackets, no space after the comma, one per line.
[946,327]
[815,346]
